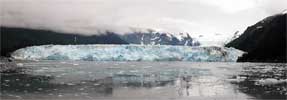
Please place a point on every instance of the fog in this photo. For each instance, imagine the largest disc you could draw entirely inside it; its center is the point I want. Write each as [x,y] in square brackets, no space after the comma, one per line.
[216,20]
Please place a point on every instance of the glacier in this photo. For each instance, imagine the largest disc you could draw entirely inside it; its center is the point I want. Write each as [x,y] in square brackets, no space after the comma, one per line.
[97,52]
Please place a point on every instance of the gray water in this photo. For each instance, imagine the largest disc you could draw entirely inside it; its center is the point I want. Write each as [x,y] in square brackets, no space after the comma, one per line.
[142,80]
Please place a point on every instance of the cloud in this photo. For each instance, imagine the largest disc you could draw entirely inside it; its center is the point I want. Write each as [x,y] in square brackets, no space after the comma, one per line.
[197,17]
[273,6]
[231,6]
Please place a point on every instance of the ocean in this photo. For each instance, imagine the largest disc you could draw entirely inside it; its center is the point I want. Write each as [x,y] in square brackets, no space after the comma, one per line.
[145,80]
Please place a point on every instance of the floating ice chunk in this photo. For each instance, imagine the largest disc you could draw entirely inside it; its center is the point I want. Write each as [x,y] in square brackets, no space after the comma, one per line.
[258,27]
[20,64]
[127,53]
[75,64]
[270,81]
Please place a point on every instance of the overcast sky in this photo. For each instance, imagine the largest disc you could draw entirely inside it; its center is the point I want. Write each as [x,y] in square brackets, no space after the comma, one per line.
[197,17]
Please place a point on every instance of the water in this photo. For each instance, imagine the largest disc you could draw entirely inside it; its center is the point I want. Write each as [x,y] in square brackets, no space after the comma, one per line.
[142,80]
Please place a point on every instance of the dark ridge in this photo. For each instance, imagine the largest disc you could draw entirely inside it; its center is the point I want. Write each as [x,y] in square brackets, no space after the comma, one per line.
[264,42]
[15,38]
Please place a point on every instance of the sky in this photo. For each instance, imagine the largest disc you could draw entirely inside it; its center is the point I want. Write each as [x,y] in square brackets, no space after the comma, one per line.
[214,20]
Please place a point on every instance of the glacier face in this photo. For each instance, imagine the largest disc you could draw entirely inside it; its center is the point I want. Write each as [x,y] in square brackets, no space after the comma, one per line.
[127,53]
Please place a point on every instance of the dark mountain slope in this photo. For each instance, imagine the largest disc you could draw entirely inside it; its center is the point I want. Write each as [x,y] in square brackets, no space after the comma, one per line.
[15,38]
[265,41]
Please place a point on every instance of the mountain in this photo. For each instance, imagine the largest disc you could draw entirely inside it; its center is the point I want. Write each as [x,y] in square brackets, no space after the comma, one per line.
[264,41]
[157,38]
[16,38]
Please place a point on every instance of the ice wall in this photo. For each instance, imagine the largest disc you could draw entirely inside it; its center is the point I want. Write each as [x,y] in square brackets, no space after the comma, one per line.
[128,53]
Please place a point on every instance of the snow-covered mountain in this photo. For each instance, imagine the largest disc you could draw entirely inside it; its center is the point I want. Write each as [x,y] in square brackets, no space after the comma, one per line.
[16,38]
[160,38]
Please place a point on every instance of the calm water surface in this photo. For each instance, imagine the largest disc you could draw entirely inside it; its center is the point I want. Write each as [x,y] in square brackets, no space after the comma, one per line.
[142,80]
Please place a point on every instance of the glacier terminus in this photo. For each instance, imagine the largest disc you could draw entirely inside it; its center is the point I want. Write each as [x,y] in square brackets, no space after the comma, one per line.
[128,53]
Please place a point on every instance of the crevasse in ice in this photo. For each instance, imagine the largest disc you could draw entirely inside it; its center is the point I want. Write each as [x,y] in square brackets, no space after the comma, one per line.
[127,53]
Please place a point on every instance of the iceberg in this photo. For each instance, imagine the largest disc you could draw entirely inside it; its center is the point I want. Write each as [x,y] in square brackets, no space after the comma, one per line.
[98,52]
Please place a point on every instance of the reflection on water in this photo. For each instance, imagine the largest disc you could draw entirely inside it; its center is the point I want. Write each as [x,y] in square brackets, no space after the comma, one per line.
[143,80]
